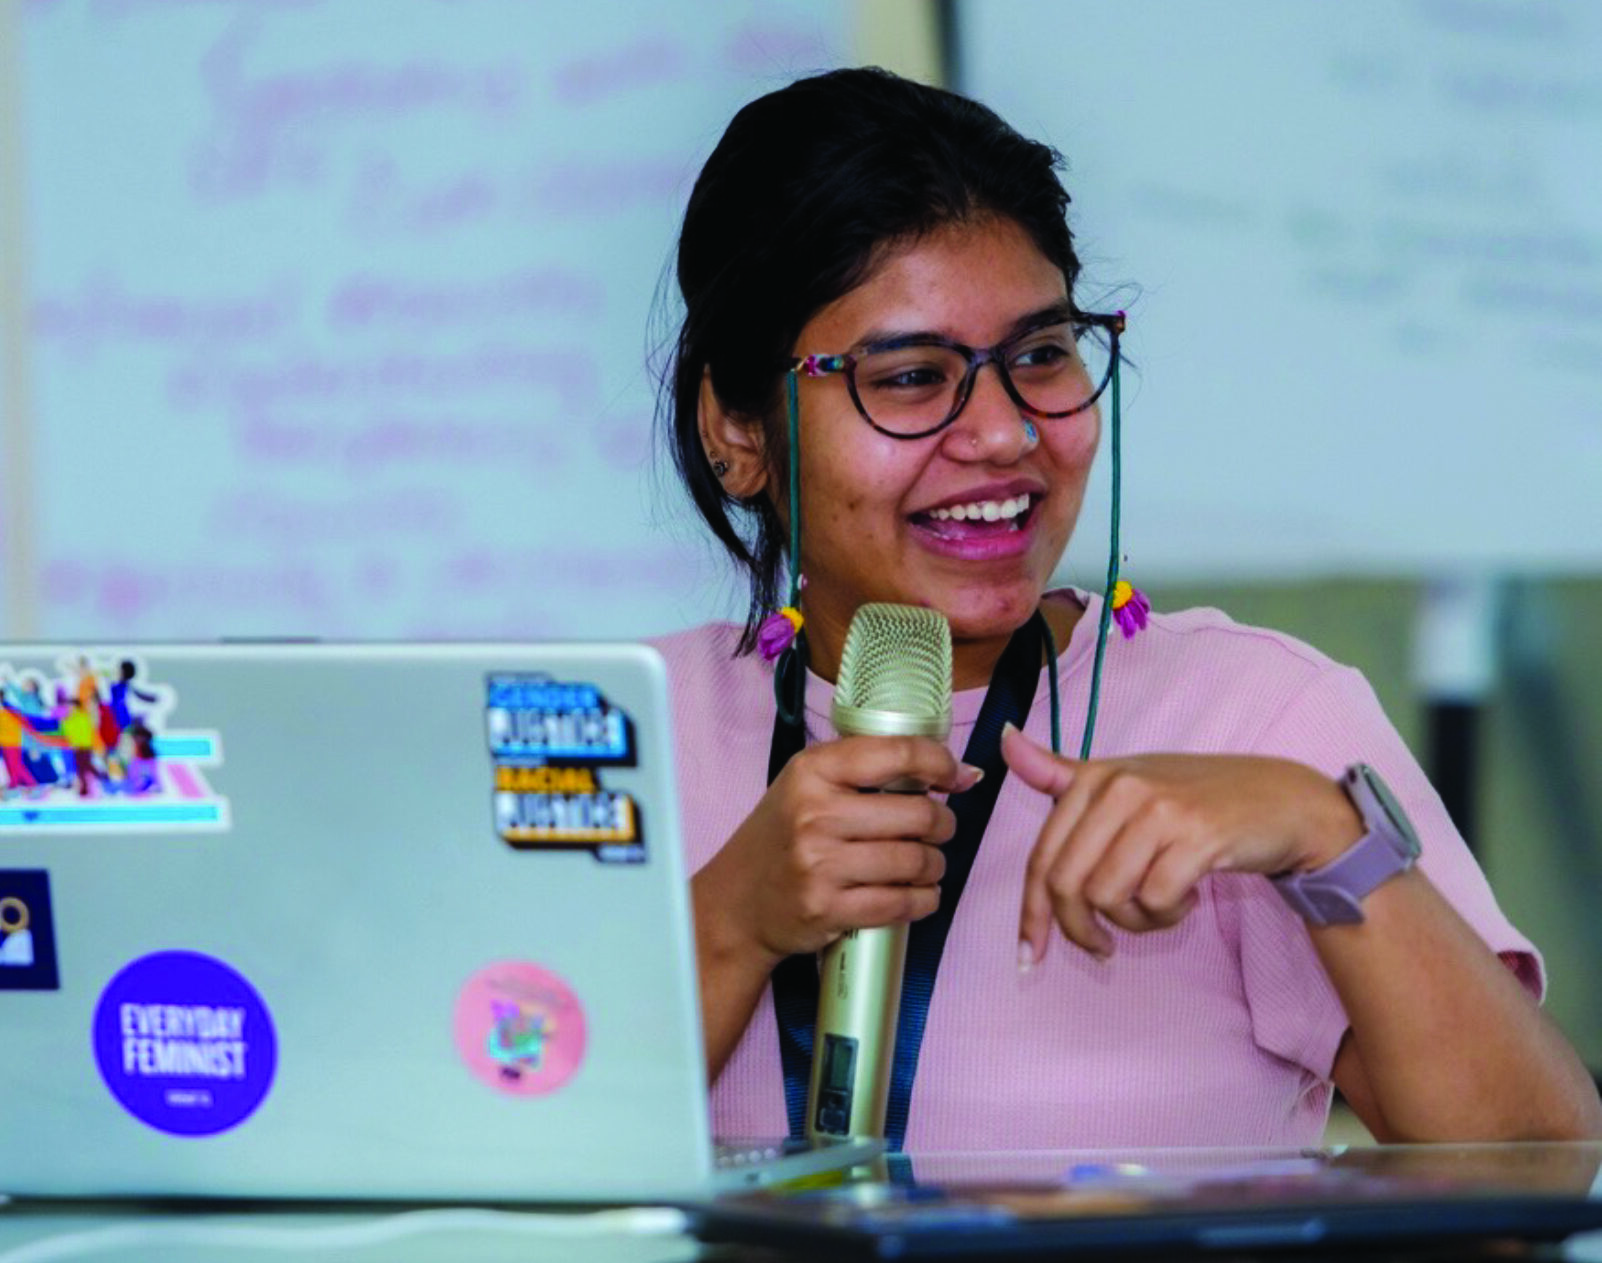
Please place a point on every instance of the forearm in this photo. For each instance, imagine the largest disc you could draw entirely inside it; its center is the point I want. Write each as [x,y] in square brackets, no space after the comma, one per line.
[732,976]
[1445,1043]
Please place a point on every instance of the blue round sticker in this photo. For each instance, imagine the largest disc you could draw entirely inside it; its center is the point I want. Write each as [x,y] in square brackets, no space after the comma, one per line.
[184,1043]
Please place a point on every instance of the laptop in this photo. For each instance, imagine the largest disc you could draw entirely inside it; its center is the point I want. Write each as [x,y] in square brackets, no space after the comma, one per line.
[304,920]
[1180,1201]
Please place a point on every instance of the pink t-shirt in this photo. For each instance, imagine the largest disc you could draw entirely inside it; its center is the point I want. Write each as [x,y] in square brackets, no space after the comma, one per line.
[1220,1031]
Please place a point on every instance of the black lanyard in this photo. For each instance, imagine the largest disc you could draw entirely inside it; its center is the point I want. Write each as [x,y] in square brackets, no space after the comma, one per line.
[795,981]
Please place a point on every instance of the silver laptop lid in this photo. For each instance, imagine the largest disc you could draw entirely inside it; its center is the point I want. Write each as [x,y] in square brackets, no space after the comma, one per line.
[320,920]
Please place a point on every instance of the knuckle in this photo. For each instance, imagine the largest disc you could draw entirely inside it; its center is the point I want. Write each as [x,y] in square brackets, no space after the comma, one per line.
[809,910]
[1102,891]
[1163,811]
[904,750]
[1063,905]
[1129,790]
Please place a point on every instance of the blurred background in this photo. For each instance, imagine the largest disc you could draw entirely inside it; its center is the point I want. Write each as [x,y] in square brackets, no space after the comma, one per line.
[338,318]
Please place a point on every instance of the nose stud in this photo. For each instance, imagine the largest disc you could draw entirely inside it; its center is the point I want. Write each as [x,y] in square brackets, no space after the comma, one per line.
[1031,435]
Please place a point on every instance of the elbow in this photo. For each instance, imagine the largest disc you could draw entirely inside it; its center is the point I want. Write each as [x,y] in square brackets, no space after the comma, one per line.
[1584,1122]
[1575,1116]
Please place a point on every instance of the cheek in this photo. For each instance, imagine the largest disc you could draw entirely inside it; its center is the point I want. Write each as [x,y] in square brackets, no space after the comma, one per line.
[847,480]
[1074,446]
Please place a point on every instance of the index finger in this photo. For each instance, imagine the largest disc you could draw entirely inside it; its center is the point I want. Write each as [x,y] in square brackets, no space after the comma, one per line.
[876,762]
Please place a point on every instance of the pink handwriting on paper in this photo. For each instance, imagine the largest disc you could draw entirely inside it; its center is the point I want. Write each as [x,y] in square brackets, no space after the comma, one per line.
[389,441]
[257,515]
[101,310]
[381,201]
[643,62]
[593,187]
[367,301]
[285,377]
[482,569]
[623,440]
[270,126]
[132,595]
[766,48]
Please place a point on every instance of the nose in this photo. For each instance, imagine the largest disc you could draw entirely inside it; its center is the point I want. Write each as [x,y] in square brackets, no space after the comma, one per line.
[991,428]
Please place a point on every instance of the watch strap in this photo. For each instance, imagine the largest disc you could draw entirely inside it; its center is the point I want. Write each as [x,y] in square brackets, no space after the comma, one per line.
[1334,894]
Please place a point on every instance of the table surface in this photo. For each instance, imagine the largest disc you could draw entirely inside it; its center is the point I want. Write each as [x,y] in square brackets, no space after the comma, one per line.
[40,1231]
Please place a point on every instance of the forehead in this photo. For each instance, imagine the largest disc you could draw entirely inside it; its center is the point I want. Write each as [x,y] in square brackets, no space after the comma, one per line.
[970,281]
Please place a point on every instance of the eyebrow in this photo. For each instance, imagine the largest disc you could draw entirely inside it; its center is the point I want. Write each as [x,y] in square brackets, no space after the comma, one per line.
[1055,313]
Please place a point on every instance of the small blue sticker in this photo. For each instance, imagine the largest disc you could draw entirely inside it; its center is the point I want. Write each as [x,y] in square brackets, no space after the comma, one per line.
[27,932]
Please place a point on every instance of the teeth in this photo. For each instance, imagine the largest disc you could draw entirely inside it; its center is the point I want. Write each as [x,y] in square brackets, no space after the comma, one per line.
[983,510]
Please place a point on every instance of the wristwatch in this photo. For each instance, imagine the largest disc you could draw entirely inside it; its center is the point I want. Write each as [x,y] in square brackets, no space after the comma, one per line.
[1334,894]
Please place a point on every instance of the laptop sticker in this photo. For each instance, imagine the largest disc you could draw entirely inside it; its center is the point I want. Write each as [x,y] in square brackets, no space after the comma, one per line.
[549,740]
[27,932]
[184,1043]
[91,749]
[520,1028]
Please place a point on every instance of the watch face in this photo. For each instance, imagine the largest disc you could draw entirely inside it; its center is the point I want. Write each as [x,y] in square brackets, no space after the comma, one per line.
[1393,809]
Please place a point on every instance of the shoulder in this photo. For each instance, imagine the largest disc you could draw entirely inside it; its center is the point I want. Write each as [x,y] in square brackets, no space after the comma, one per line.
[699,653]
[1202,647]
[708,684]
[1197,679]
[1211,635]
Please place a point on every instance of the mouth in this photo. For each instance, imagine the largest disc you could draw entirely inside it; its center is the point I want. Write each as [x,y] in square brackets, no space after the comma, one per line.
[979,519]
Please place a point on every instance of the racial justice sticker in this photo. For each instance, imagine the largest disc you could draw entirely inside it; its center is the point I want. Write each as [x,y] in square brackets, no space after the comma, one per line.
[184,1043]
[27,932]
[548,740]
[520,1028]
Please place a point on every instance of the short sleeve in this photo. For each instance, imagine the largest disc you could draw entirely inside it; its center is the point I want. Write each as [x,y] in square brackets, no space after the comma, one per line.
[1333,721]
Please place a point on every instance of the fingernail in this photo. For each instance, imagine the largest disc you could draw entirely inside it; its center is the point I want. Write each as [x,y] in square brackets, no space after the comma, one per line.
[968,775]
[1026,956]
[1007,727]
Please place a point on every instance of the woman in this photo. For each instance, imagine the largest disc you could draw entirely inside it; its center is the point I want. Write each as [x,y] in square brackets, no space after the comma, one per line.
[881,331]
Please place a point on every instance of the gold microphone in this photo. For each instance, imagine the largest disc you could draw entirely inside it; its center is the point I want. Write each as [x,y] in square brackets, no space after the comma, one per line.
[895,681]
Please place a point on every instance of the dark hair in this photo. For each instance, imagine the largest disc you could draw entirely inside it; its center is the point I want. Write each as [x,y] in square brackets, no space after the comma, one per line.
[806,186]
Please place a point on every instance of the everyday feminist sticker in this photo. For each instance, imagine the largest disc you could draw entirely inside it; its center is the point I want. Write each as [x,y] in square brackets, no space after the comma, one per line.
[520,1028]
[184,1043]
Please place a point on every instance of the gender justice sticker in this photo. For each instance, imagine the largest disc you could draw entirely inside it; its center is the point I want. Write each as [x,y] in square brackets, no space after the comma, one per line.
[184,1043]
[549,739]
[520,1028]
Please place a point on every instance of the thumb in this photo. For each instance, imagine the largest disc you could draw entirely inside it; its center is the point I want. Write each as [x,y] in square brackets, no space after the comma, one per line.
[1035,765]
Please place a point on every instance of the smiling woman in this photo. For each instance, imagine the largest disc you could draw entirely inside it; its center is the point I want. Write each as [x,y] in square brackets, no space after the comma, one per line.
[885,389]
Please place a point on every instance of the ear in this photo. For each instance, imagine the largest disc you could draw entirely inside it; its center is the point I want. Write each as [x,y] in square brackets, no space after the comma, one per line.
[735,440]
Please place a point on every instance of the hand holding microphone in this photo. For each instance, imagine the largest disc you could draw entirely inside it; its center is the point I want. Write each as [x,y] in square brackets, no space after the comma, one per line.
[817,857]
[894,681]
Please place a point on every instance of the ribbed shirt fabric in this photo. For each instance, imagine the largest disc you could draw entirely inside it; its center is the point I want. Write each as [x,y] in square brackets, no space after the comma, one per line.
[1220,1031]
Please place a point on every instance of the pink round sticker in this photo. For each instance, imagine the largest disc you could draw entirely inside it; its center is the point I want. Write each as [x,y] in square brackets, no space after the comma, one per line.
[520,1028]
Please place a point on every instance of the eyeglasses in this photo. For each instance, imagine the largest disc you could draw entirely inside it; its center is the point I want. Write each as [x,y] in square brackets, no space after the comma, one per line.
[911,387]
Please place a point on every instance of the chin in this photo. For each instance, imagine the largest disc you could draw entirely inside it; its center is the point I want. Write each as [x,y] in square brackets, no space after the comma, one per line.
[992,613]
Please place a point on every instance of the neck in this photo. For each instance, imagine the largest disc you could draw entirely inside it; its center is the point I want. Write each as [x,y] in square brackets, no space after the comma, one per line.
[973,662]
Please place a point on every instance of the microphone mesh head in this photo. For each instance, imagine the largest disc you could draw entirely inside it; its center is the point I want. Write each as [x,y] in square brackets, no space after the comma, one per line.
[895,673]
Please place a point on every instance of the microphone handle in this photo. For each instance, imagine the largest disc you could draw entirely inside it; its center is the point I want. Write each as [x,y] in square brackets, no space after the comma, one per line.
[859,1006]
[859,1002]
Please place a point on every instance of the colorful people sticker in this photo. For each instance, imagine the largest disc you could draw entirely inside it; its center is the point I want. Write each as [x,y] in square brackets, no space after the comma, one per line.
[88,748]
[185,1044]
[27,932]
[520,1028]
[548,740]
